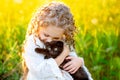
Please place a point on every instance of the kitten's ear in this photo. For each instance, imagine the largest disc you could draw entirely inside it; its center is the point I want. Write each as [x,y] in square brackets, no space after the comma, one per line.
[47,44]
[60,43]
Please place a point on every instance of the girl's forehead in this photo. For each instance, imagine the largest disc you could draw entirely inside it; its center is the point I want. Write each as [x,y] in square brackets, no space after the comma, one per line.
[53,31]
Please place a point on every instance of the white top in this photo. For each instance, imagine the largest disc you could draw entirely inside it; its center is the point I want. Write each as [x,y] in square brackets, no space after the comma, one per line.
[40,68]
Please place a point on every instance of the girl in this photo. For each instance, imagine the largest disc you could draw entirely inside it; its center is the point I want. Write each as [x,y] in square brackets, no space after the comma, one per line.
[51,22]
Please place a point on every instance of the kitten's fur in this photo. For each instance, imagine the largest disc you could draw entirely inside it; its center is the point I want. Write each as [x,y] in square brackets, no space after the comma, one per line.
[53,49]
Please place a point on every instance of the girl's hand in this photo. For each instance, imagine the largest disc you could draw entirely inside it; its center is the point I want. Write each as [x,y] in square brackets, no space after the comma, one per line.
[73,65]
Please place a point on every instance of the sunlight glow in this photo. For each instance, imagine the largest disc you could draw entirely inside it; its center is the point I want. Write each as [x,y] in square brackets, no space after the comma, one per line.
[94,21]
[18,1]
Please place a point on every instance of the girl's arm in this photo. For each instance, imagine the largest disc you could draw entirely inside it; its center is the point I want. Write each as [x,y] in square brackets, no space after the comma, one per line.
[62,56]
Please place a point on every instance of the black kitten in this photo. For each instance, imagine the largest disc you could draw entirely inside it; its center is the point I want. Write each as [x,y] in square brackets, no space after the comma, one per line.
[53,49]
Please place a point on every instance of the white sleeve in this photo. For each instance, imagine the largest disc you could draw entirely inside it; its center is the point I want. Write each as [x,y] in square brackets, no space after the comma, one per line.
[37,65]
[88,73]
[72,52]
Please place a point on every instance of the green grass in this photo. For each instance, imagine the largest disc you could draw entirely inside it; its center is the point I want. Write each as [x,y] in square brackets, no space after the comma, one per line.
[97,39]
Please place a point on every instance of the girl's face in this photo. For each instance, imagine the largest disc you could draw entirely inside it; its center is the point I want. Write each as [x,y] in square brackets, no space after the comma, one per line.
[50,33]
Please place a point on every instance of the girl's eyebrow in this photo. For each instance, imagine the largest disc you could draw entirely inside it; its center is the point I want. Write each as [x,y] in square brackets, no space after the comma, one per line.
[55,37]
[47,35]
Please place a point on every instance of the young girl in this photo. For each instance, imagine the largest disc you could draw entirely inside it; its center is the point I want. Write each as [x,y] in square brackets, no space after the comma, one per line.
[50,23]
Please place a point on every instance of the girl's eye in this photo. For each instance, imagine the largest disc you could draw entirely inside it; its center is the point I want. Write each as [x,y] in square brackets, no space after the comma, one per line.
[56,38]
[46,35]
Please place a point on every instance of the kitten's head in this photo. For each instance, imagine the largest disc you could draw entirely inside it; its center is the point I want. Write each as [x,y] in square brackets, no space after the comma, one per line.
[54,48]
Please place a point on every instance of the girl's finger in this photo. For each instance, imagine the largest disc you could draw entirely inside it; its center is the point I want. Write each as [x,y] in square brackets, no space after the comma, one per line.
[68,68]
[67,64]
[71,70]
[69,57]
[74,71]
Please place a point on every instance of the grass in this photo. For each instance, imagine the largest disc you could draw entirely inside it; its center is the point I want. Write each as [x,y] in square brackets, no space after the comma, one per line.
[97,39]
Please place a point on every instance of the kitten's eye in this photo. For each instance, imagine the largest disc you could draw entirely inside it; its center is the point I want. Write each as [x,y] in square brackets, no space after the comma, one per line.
[55,49]
[49,48]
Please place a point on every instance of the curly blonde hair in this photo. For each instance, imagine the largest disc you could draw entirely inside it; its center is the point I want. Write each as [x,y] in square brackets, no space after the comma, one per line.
[56,14]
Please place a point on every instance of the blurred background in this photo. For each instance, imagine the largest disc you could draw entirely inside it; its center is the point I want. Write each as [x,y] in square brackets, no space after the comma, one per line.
[97,40]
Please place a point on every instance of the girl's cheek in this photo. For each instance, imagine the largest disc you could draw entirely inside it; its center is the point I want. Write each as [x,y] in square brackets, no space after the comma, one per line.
[42,37]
